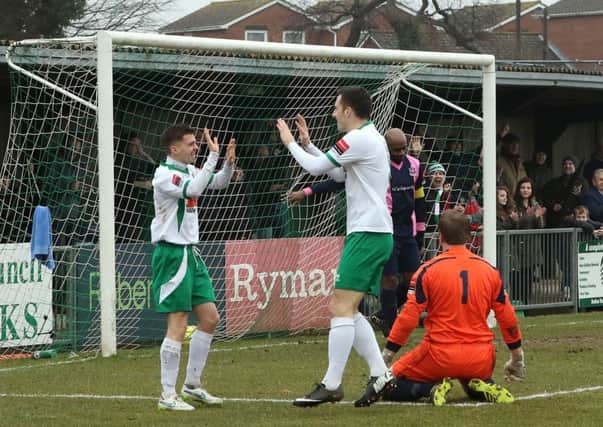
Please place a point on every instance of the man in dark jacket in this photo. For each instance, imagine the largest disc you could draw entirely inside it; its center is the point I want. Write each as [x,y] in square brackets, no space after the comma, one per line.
[593,197]
[561,195]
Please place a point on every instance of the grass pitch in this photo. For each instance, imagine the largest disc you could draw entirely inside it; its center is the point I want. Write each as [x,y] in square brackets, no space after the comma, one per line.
[259,378]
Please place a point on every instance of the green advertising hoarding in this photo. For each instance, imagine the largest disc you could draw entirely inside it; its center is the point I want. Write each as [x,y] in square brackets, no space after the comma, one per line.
[590,274]
[137,321]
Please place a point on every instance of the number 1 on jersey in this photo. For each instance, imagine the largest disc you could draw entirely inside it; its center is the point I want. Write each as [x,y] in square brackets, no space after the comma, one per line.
[465,278]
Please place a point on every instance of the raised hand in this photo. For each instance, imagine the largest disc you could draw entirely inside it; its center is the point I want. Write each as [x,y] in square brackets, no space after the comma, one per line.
[302,128]
[285,132]
[231,154]
[212,143]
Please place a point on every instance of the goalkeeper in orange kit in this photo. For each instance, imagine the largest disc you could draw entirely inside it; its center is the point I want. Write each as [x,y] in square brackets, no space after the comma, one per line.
[458,289]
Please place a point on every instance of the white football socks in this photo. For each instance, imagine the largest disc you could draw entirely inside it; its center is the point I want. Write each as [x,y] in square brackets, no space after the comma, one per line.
[365,343]
[341,339]
[170,361]
[197,356]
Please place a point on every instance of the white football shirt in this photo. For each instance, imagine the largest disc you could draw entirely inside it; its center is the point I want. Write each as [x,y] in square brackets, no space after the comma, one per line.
[364,156]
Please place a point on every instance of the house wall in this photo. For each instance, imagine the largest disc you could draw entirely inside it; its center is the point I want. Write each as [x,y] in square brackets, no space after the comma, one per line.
[278,18]
[275,20]
[530,23]
[578,37]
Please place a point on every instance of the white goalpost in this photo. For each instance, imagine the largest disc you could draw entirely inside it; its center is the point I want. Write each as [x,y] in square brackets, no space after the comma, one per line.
[78,102]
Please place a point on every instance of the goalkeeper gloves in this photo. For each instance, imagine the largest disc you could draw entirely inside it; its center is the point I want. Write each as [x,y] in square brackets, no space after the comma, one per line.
[515,368]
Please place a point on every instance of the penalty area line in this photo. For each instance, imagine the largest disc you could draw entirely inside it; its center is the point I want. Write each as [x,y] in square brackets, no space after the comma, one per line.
[544,395]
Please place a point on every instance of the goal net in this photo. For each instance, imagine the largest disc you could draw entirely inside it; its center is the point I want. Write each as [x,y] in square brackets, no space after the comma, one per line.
[272,263]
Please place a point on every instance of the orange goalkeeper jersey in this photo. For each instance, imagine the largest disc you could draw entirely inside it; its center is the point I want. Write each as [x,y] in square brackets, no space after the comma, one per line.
[458,289]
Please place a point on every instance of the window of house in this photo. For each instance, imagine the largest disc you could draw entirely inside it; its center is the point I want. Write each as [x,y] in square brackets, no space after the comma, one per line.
[256,35]
[294,37]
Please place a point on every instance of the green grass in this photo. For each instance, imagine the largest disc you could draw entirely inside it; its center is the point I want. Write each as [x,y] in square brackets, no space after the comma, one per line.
[563,352]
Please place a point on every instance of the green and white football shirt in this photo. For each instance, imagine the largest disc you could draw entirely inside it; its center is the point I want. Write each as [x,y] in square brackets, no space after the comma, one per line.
[176,190]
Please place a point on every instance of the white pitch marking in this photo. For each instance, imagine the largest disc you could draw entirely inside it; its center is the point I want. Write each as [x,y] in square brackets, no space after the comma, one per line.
[544,395]
[45,365]
[572,323]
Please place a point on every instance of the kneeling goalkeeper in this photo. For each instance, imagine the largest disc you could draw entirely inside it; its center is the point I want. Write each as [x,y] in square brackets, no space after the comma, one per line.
[458,289]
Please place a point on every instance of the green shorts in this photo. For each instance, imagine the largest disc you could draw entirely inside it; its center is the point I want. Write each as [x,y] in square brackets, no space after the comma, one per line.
[362,260]
[180,279]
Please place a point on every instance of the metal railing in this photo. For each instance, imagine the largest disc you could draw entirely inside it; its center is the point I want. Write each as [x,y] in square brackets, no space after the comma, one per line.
[539,267]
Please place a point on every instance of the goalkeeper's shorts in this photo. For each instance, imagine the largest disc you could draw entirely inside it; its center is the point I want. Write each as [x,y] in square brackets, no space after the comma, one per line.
[180,278]
[431,363]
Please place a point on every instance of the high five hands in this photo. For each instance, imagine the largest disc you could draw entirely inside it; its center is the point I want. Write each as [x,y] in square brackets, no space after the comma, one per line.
[214,145]
[287,136]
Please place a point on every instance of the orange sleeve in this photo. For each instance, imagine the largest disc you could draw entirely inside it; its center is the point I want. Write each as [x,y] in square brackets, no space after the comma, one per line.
[505,315]
[408,319]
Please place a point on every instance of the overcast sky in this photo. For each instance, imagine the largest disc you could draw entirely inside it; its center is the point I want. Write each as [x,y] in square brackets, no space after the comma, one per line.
[182,8]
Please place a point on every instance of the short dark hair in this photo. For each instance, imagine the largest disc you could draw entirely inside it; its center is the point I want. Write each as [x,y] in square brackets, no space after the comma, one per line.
[454,227]
[174,134]
[358,99]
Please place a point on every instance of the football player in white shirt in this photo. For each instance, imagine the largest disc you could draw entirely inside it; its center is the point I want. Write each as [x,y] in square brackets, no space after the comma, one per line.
[181,282]
[360,158]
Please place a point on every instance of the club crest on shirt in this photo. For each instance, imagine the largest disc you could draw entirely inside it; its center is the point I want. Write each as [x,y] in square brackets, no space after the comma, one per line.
[341,146]
[191,205]
[176,180]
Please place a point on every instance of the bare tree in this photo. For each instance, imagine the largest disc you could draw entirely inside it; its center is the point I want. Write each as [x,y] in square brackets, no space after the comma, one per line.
[445,18]
[332,13]
[463,27]
[122,15]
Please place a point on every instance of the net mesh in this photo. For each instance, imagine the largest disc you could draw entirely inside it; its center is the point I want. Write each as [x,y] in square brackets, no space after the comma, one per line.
[272,263]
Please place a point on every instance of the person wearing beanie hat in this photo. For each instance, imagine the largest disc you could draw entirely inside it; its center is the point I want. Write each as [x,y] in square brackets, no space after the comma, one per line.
[435,167]
[437,200]
[570,158]
[560,195]
[509,162]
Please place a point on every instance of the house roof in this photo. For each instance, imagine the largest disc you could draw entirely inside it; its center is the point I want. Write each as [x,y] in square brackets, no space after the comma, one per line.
[576,7]
[221,15]
[485,17]
[501,45]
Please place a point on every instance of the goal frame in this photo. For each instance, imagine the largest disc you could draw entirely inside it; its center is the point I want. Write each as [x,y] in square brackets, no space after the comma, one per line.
[106,40]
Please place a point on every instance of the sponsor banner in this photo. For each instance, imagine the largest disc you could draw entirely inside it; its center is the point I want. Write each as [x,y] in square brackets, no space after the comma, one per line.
[137,320]
[590,274]
[279,285]
[25,298]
